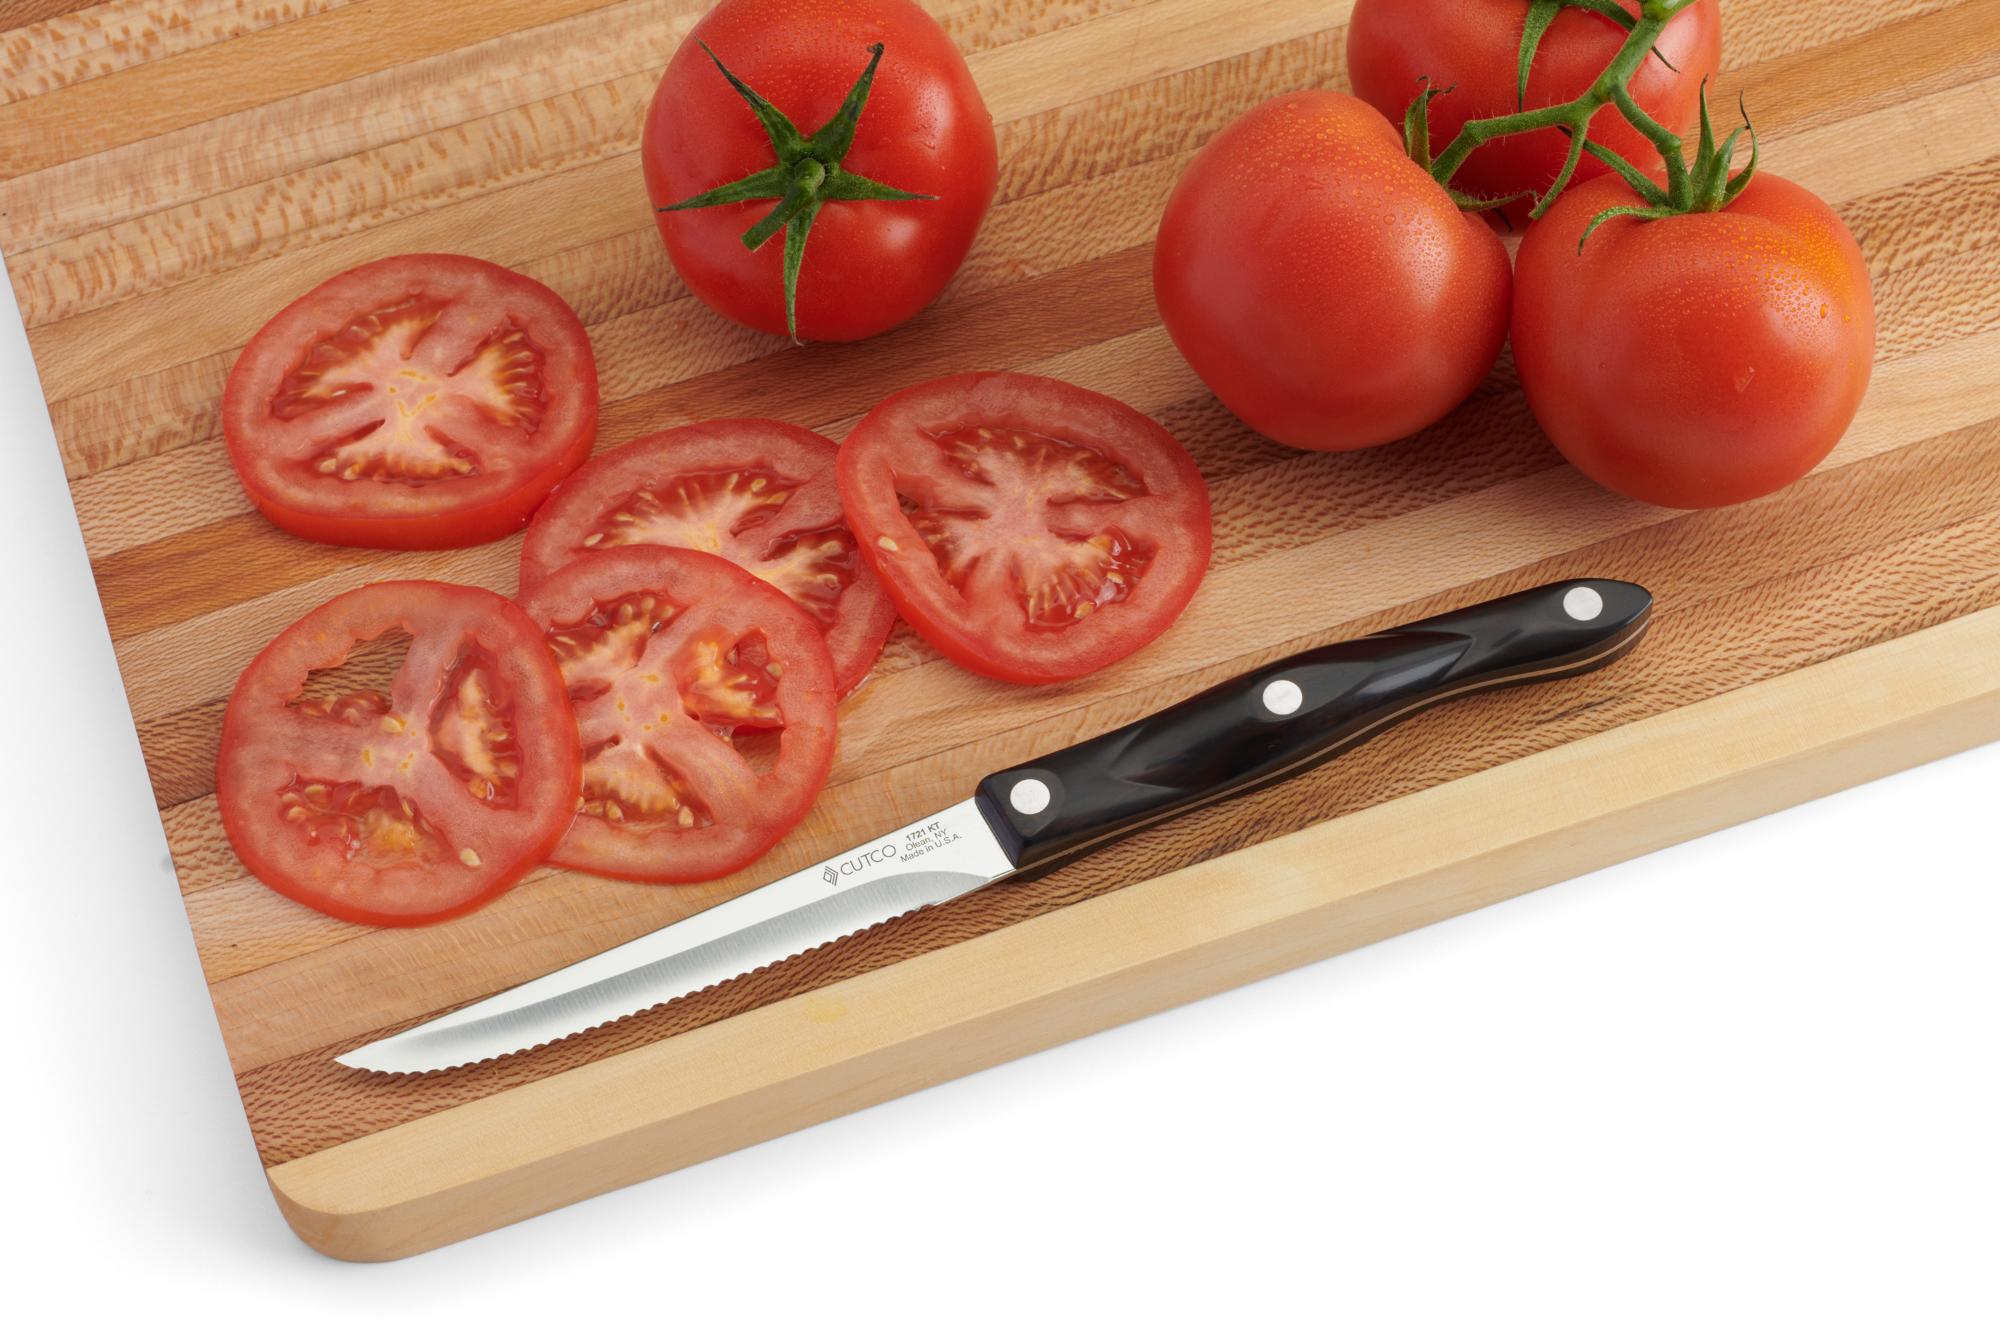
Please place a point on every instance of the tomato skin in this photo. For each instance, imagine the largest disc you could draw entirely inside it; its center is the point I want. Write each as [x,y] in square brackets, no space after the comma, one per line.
[892,454]
[645,707]
[1321,283]
[794,459]
[1472,47]
[263,748]
[871,265]
[1700,360]
[447,513]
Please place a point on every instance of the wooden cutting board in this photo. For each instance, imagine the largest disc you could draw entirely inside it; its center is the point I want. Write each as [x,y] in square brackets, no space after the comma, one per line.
[171,171]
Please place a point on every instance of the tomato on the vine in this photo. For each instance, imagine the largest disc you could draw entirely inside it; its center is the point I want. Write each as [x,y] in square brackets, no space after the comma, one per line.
[1695,360]
[1321,283]
[1469,49]
[873,156]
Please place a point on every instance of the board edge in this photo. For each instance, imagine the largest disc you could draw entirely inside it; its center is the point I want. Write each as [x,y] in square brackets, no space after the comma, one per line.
[1150,946]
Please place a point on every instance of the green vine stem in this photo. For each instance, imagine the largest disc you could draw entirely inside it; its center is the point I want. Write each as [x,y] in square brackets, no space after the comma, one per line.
[1707,186]
[1611,88]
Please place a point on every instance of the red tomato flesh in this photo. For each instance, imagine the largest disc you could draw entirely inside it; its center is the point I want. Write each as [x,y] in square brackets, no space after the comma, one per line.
[1030,530]
[406,784]
[705,700]
[762,494]
[416,402]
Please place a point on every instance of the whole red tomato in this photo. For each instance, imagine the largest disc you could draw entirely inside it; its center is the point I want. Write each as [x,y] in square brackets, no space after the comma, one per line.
[1321,283]
[882,205]
[1473,46]
[1696,360]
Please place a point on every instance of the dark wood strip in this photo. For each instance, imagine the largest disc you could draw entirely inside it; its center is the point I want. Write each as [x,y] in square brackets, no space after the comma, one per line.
[1928,243]
[1050,150]
[1722,623]
[1268,498]
[237,558]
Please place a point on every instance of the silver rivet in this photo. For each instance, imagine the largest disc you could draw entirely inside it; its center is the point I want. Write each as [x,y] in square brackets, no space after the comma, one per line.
[1030,796]
[1283,697]
[1583,603]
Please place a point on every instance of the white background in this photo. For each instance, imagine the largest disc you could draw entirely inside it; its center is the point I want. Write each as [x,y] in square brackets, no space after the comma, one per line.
[1745,1083]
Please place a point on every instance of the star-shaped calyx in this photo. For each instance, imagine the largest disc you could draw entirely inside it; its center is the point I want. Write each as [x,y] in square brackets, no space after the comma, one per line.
[807,176]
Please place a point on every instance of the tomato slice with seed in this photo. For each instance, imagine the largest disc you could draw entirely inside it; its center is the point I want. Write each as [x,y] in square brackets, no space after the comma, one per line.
[705,702]
[401,754]
[415,402]
[760,493]
[1030,530]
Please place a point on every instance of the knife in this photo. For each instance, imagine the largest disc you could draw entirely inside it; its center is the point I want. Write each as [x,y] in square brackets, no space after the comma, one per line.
[1257,729]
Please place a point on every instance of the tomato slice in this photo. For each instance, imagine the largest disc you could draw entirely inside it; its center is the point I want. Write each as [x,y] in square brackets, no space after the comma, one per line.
[399,755]
[1028,529]
[705,700]
[415,402]
[760,493]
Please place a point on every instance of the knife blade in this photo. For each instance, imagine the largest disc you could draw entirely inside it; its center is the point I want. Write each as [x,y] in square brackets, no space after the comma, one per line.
[1256,729]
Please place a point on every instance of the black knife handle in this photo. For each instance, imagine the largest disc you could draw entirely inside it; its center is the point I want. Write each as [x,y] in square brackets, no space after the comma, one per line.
[1285,718]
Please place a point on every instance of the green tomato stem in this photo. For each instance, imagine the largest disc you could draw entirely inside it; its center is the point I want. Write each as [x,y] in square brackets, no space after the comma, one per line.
[807,175]
[1611,88]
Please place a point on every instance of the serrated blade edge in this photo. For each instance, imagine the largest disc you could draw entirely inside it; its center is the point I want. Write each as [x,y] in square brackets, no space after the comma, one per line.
[925,863]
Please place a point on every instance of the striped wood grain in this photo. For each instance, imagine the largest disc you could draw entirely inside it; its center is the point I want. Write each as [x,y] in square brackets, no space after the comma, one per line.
[1132,952]
[171,172]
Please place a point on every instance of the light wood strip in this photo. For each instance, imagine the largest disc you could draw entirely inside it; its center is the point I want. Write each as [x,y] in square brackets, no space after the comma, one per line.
[189,390]
[143,417]
[1413,473]
[236,226]
[333,46]
[340,197]
[1137,45]
[1889,259]
[626,275]
[1709,648]
[100,347]
[1950,486]
[511,71]
[957,718]
[574,207]
[1923,583]
[156,497]
[1876,68]
[407,178]
[1903,144]
[100,39]
[1874,164]
[1904,396]
[1375,488]
[249,146]
[1755,30]
[181,745]
[1402,864]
